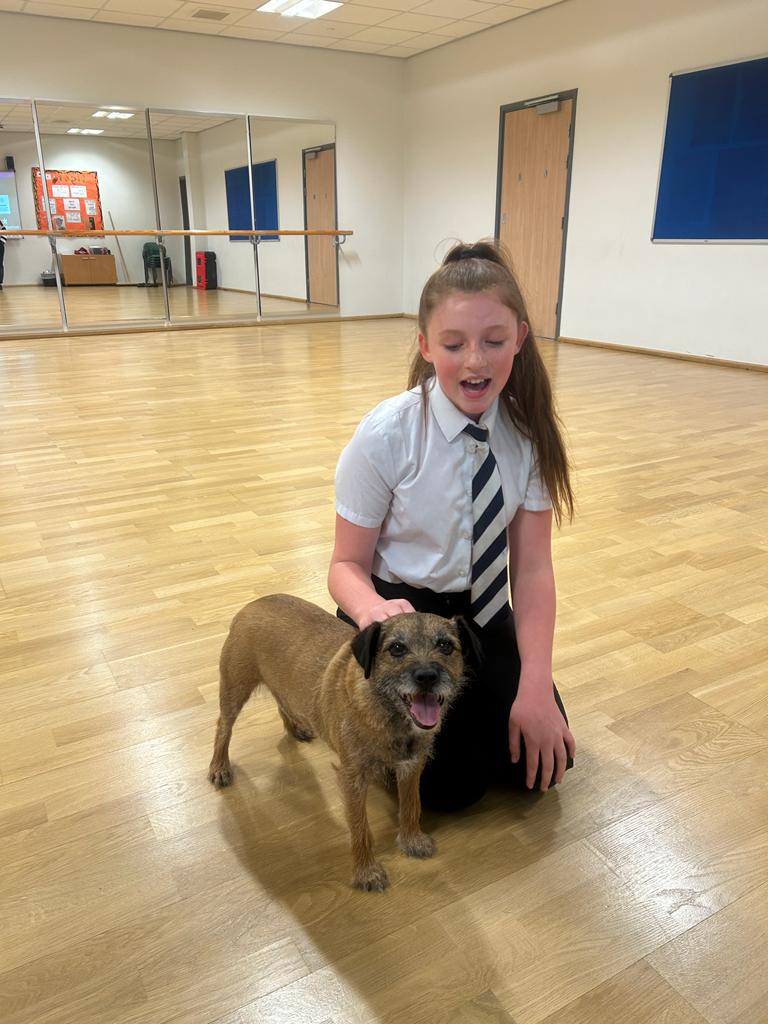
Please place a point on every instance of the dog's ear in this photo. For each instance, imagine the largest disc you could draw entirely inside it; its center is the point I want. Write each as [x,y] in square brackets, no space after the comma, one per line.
[471,645]
[364,646]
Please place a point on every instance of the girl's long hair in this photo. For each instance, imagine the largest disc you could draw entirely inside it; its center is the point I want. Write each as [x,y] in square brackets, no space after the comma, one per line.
[486,267]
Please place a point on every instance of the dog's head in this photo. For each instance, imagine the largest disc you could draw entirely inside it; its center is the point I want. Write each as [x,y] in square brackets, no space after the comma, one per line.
[417,663]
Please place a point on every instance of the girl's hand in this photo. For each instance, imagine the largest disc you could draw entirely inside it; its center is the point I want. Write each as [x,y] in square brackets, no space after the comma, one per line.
[535,718]
[384,610]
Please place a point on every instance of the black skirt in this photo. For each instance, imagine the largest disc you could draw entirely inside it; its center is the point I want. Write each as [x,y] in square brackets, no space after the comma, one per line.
[471,751]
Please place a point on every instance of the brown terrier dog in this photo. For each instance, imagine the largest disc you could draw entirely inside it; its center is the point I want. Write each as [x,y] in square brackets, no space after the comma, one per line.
[376,697]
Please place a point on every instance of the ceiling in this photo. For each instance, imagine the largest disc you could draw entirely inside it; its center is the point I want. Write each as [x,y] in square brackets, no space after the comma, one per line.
[58,118]
[393,28]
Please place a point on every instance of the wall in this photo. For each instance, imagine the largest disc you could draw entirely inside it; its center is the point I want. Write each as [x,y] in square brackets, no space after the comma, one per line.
[124,186]
[619,287]
[362,94]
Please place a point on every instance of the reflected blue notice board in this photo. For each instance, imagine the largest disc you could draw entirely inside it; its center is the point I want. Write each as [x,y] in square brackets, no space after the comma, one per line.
[9,203]
[714,171]
[264,197]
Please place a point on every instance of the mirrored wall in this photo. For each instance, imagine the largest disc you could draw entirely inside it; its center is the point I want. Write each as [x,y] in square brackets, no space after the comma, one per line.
[149,175]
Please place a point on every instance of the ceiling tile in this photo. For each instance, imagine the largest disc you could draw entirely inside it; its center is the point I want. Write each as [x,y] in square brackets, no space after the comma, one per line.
[497,15]
[457,29]
[206,28]
[241,31]
[328,30]
[358,46]
[153,8]
[57,10]
[535,5]
[11,5]
[357,15]
[416,22]
[121,18]
[384,36]
[188,10]
[395,5]
[452,8]
[270,22]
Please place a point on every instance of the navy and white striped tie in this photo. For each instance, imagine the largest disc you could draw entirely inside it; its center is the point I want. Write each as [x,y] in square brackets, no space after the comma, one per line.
[489,540]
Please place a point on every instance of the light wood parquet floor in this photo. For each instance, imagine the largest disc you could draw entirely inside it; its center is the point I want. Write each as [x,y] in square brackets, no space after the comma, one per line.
[152,484]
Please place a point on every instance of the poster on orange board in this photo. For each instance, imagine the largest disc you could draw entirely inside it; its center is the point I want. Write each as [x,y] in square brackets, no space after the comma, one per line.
[74,193]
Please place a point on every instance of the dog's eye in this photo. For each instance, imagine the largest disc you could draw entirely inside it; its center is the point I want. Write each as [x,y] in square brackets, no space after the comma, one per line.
[445,646]
[396,649]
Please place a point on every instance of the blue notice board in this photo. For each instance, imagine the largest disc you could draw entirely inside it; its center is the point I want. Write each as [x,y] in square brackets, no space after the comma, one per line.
[264,177]
[714,170]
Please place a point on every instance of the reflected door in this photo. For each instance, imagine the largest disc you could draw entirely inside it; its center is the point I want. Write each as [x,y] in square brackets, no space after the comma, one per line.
[320,214]
[533,186]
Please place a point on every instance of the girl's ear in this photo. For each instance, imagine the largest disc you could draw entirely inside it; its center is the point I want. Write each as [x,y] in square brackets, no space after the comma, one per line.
[522,334]
[426,355]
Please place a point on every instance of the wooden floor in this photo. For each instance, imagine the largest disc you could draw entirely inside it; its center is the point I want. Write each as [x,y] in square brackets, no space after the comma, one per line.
[26,307]
[149,486]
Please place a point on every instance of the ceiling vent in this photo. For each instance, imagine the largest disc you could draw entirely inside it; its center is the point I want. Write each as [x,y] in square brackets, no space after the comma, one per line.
[206,14]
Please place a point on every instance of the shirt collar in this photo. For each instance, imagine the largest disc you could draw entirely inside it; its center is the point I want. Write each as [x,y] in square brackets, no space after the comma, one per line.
[452,420]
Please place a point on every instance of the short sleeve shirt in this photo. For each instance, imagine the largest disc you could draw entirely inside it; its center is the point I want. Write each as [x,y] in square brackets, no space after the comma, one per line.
[408,470]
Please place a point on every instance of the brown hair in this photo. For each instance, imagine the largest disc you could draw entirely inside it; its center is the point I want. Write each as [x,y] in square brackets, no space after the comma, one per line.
[483,267]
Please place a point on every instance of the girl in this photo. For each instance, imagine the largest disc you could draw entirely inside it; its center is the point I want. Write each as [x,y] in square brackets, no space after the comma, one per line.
[447,492]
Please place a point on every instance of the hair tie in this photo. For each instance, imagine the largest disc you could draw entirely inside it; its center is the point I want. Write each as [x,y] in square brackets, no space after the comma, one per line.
[467,254]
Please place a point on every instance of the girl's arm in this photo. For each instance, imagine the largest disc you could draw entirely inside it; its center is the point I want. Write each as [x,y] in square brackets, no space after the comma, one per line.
[349,576]
[534,715]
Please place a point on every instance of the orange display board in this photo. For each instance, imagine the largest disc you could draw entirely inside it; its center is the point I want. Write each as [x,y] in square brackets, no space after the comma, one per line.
[73,201]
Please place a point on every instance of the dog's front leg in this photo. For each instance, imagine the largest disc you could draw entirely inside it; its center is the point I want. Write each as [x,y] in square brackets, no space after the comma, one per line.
[411,840]
[368,873]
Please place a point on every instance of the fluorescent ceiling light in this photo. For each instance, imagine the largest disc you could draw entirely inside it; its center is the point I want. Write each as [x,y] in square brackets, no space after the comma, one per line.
[113,115]
[91,131]
[73,131]
[300,9]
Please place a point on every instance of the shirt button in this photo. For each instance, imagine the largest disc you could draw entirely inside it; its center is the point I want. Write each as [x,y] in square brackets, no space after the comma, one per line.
[465,535]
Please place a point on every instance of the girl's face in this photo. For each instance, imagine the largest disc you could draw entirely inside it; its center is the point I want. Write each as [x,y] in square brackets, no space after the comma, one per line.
[472,340]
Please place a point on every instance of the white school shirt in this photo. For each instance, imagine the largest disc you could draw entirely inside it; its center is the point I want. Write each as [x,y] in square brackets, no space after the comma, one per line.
[412,477]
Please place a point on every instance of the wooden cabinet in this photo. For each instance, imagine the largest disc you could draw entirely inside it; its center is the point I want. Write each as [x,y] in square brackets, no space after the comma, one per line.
[81,269]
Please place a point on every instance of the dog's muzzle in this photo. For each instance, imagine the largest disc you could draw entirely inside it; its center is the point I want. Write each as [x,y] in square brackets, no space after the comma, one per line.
[424,705]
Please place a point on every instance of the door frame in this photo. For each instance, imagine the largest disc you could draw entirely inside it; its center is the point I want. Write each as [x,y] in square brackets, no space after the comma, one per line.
[537,101]
[317,149]
[184,198]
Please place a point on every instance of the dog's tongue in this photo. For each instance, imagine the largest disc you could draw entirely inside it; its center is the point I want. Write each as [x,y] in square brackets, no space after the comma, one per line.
[425,709]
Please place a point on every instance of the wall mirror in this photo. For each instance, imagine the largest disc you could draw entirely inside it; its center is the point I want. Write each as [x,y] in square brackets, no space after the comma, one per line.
[99,176]
[124,169]
[29,300]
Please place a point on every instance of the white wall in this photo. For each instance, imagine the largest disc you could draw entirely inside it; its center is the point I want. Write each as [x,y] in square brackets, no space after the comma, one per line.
[141,67]
[124,187]
[619,287]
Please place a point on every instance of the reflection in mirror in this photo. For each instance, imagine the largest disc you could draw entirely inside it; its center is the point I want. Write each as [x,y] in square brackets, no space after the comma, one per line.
[29,299]
[295,184]
[214,279]
[99,176]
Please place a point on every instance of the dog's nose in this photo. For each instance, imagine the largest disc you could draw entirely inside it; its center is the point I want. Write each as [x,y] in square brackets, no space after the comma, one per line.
[425,677]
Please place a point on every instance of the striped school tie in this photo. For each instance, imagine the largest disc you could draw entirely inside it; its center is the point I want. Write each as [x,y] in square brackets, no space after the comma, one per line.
[489,540]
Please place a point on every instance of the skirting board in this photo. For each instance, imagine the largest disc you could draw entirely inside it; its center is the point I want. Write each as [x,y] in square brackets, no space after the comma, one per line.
[195,325]
[735,364]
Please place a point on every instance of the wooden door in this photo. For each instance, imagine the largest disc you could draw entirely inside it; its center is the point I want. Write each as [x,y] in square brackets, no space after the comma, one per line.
[533,185]
[320,213]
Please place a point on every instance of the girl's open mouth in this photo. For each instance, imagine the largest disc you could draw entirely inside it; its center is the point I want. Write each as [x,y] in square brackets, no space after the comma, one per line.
[476,387]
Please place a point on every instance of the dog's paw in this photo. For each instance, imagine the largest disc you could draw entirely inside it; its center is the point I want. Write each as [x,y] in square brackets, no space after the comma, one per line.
[371,879]
[220,775]
[417,845]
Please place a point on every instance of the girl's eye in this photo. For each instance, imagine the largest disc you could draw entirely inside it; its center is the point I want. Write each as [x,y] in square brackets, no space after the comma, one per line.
[396,649]
[452,348]
[445,646]
[496,342]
